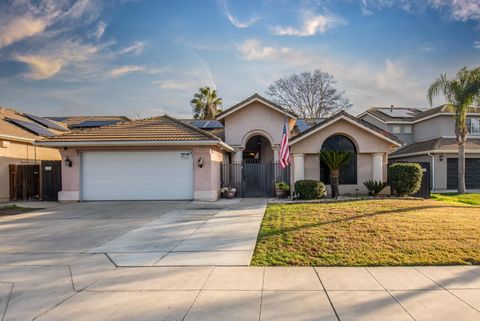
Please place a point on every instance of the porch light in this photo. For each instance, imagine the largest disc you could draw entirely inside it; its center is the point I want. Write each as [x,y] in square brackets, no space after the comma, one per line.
[68,162]
[441,157]
[200,162]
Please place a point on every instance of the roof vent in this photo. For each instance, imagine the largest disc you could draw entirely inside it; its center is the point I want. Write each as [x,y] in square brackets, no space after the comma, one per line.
[391,108]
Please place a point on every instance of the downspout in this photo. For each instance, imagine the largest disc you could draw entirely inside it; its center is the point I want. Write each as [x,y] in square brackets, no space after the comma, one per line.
[433,170]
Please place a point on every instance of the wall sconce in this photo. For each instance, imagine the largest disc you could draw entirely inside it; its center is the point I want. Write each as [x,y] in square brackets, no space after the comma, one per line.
[441,157]
[68,162]
[200,162]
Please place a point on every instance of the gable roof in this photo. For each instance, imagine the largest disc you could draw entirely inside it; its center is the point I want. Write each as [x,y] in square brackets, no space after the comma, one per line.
[352,119]
[255,97]
[436,145]
[162,130]
[14,125]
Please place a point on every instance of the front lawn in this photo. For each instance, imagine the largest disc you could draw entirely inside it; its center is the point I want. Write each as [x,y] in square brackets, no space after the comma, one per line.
[373,232]
[471,199]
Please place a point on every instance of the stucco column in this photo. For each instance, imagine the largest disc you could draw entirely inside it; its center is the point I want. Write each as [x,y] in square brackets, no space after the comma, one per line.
[377,167]
[237,156]
[298,167]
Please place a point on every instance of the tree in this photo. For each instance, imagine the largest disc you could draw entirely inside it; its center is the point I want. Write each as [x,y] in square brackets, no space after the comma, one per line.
[206,104]
[311,95]
[335,160]
[461,93]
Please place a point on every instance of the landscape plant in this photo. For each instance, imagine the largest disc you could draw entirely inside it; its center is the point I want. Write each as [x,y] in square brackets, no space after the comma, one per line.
[374,187]
[309,189]
[405,178]
[335,160]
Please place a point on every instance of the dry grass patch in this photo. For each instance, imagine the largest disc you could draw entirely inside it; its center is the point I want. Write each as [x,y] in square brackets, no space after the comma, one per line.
[374,232]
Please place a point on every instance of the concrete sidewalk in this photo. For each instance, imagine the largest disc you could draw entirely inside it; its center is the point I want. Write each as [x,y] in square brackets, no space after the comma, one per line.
[240,293]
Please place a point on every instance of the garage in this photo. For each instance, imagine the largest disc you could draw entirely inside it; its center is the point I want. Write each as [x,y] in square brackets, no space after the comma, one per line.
[137,175]
[472,173]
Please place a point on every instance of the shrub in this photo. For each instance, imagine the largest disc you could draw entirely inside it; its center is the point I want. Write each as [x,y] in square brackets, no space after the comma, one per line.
[405,178]
[282,186]
[310,189]
[374,187]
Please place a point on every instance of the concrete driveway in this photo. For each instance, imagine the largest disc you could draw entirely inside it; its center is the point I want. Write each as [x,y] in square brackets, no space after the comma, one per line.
[67,263]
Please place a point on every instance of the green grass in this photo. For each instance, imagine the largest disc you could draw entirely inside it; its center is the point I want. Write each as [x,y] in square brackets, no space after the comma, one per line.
[14,209]
[471,199]
[366,233]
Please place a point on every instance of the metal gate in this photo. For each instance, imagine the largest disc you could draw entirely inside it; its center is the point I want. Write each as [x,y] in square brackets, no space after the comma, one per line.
[254,179]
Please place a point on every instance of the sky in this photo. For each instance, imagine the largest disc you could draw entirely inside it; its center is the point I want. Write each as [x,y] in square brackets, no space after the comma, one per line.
[142,58]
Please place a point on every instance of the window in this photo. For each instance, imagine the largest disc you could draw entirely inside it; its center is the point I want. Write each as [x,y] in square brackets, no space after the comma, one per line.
[348,173]
[397,129]
[407,129]
[473,125]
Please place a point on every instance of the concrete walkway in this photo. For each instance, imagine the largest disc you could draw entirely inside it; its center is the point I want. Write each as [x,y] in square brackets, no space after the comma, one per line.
[225,233]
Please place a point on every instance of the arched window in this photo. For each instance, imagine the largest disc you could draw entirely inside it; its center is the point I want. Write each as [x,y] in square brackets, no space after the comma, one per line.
[348,173]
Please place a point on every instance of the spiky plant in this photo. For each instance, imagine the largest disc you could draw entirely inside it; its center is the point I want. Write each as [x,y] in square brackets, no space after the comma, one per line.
[335,160]
[374,187]
[206,104]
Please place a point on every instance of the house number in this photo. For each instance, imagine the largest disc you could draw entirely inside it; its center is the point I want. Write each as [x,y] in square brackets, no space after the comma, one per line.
[185,155]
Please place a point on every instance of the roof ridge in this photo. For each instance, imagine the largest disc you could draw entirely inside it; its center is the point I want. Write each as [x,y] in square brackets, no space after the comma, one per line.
[201,131]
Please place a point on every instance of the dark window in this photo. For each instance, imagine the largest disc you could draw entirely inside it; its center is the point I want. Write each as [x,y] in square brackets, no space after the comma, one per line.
[348,173]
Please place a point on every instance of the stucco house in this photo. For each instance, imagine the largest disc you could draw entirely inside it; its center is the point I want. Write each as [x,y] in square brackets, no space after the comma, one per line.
[163,158]
[429,135]
[18,132]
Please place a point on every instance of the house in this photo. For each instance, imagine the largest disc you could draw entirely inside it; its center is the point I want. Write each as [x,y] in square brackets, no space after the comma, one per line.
[83,122]
[163,158]
[18,132]
[430,140]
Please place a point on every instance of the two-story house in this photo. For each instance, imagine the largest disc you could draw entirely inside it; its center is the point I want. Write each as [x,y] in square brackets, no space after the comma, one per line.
[429,137]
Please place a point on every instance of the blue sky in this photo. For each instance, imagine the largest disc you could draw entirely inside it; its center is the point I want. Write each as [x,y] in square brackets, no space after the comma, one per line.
[148,57]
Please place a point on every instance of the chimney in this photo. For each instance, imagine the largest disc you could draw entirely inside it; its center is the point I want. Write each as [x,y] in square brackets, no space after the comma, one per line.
[391,108]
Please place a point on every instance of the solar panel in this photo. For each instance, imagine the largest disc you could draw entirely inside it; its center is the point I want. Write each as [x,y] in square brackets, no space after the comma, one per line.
[304,124]
[45,122]
[94,123]
[57,118]
[33,127]
[204,123]
[397,113]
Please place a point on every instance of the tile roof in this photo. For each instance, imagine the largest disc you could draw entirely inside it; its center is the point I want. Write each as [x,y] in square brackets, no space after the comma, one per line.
[162,128]
[436,144]
[8,128]
[252,98]
[77,122]
[353,118]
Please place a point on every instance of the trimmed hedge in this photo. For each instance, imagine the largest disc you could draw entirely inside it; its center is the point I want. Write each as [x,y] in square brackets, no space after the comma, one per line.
[405,178]
[310,189]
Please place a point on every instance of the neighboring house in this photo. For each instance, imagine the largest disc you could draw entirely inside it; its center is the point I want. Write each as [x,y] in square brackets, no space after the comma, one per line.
[18,131]
[163,158]
[83,122]
[430,139]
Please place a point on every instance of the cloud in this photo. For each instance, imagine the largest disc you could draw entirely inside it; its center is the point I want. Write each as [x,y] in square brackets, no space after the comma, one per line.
[41,67]
[476,44]
[252,49]
[117,72]
[188,81]
[19,28]
[136,48]
[99,31]
[311,25]
[237,23]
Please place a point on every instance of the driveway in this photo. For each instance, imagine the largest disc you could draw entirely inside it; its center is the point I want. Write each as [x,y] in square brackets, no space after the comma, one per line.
[67,262]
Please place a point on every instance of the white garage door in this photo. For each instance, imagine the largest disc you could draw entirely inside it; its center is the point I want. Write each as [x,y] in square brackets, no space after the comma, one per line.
[137,175]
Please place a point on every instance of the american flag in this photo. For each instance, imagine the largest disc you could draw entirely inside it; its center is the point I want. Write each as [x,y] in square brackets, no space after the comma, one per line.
[284,149]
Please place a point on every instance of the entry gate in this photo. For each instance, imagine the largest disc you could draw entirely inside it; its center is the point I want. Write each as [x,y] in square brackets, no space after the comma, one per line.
[254,179]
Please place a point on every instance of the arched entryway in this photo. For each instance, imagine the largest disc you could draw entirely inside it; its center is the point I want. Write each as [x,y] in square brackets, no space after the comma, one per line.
[257,149]
[348,173]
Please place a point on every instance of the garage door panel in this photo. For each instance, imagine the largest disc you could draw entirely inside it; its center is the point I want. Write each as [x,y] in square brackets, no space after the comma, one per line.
[472,173]
[138,175]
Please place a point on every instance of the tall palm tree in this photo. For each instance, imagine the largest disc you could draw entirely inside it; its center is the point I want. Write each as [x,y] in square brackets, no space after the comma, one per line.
[206,104]
[461,92]
[335,160]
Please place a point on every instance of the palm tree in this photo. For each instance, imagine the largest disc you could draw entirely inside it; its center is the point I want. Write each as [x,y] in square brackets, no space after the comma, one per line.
[206,104]
[335,160]
[461,92]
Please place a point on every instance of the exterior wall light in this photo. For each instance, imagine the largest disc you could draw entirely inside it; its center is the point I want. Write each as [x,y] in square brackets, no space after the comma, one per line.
[441,157]
[200,162]
[68,162]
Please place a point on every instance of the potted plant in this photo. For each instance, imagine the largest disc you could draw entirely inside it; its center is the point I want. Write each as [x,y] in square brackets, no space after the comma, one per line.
[228,192]
[282,189]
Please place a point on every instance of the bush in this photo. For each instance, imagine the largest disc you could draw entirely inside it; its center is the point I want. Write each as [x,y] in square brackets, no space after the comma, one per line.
[310,189]
[374,187]
[405,178]
[282,186]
